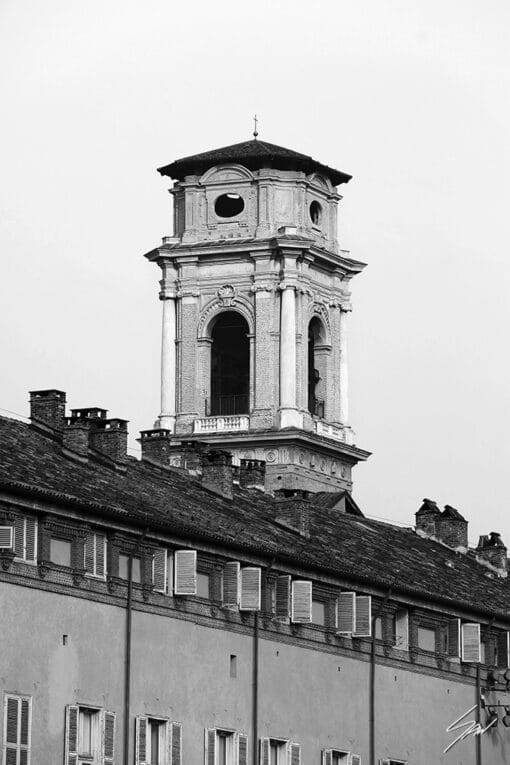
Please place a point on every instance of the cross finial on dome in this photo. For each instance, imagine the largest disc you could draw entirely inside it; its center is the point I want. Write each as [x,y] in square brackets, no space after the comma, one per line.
[255,122]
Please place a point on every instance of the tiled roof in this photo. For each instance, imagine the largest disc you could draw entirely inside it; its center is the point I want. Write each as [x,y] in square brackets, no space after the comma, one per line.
[252,154]
[348,545]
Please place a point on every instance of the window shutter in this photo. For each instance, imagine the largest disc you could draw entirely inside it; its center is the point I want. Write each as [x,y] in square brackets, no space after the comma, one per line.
[11,713]
[89,552]
[185,572]
[174,744]
[454,637]
[346,613]
[264,746]
[471,642]
[282,610]
[503,649]
[355,759]
[231,576]
[100,555]
[242,749]
[295,753]
[327,757]
[30,538]
[301,602]
[210,746]
[71,736]
[363,616]
[19,536]
[250,589]
[141,740]
[108,739]
[159,575]
[6,537]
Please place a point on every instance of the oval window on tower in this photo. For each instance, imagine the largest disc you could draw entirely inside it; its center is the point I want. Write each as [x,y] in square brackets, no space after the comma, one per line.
[228,205]
[315,213]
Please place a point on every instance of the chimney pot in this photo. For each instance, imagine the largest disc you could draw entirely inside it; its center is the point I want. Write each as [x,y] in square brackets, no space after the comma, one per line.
[48,407]
[452,528]
[427,517]
[110,437]
[75,436]
[217,472]
[252,474]
[491,549]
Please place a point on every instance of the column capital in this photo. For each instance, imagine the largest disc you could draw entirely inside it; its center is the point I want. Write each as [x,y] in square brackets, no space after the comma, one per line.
[167,291]
[288,284]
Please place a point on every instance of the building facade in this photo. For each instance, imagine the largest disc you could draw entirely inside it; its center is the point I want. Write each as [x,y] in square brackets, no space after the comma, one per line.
[223,600]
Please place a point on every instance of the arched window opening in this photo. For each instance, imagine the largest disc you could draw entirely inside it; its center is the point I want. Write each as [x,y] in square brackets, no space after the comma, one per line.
[316,368]
[230,365]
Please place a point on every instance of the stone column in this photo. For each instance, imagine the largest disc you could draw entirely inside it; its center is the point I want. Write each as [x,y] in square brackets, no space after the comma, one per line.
[168,359]
[344,371]
[289,415]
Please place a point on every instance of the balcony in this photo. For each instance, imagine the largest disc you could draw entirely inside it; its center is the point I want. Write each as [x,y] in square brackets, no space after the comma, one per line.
[225,424]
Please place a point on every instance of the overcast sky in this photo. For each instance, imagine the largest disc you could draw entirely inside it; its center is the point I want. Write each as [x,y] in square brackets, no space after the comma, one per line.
[410,97]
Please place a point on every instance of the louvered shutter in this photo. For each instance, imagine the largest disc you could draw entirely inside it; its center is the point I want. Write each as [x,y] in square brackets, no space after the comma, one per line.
[301,602]
[90,553]
[141,725]
[174,740]
[231,576]
[242,749]
[250,589]
[100,555]
[346,613]
[108,738]
[327,757]
[159,575]
[11,729]
[471,642]
[503,649]
[6,537]
[185,572]
[355,759]
[30,538]
[363,617]
[454,637]
[265,750]
[71,736]
[19,536]
[210,746]
[294,753]
[282,610]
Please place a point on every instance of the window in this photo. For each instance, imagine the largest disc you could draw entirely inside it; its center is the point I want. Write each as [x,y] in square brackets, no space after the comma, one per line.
[230,365]
[158,742]
[89,736]
[339,758]
[318,612]
[315,213]
[401,629]
[124,568]
[17,729]
[228,205]
[278,751]
[25,538]
[225,747]
[204,585]
[95,554]
[378,628]
[426,639]
[162,570]
[60,551]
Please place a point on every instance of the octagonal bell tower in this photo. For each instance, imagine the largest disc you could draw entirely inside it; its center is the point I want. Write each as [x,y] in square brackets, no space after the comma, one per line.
[255,294]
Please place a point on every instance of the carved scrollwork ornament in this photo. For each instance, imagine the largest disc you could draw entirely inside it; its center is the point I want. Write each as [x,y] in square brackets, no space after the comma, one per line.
[6,559]
[227,295]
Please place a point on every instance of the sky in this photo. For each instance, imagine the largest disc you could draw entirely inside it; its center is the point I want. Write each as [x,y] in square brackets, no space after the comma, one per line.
[411,98]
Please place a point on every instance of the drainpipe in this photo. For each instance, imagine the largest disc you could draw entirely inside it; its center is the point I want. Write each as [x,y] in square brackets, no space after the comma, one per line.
[371,682]
[478,739]
[127,661]
[255,699]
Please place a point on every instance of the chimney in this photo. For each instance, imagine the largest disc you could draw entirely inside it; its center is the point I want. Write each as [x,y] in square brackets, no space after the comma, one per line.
[293,510]
[427,517]
[48,407]
[252,474]
[75,436]
[217,473]
[492,550]
[156,445]
[110,438]
[452,528]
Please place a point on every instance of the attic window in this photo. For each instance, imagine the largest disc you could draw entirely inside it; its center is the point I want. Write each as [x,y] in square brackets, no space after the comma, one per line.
[315,213]
[228,205]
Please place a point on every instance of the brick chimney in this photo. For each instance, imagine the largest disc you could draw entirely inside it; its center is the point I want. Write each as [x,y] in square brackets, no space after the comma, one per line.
[293,511]
[156,445]
[75,436]
[492,550]
[252,474]
[427,517]
[110,437]
[452,528]
[217,473]
[48,407]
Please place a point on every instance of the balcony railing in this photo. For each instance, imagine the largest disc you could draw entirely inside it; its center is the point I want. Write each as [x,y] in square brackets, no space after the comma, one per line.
[219,424]
[225,406]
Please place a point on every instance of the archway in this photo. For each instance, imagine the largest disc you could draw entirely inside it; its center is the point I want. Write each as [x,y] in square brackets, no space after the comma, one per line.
[316,368]
[230,365]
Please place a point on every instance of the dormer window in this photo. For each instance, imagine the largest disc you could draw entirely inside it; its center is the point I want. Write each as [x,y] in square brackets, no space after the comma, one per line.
[228,205]
[315,213]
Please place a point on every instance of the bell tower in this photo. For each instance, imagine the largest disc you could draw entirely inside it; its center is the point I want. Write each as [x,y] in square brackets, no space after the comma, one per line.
[256,299]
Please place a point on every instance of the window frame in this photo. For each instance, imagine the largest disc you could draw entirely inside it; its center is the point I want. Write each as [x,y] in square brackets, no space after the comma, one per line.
[19,747]
[26,517]
[94,756]
[55,536]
